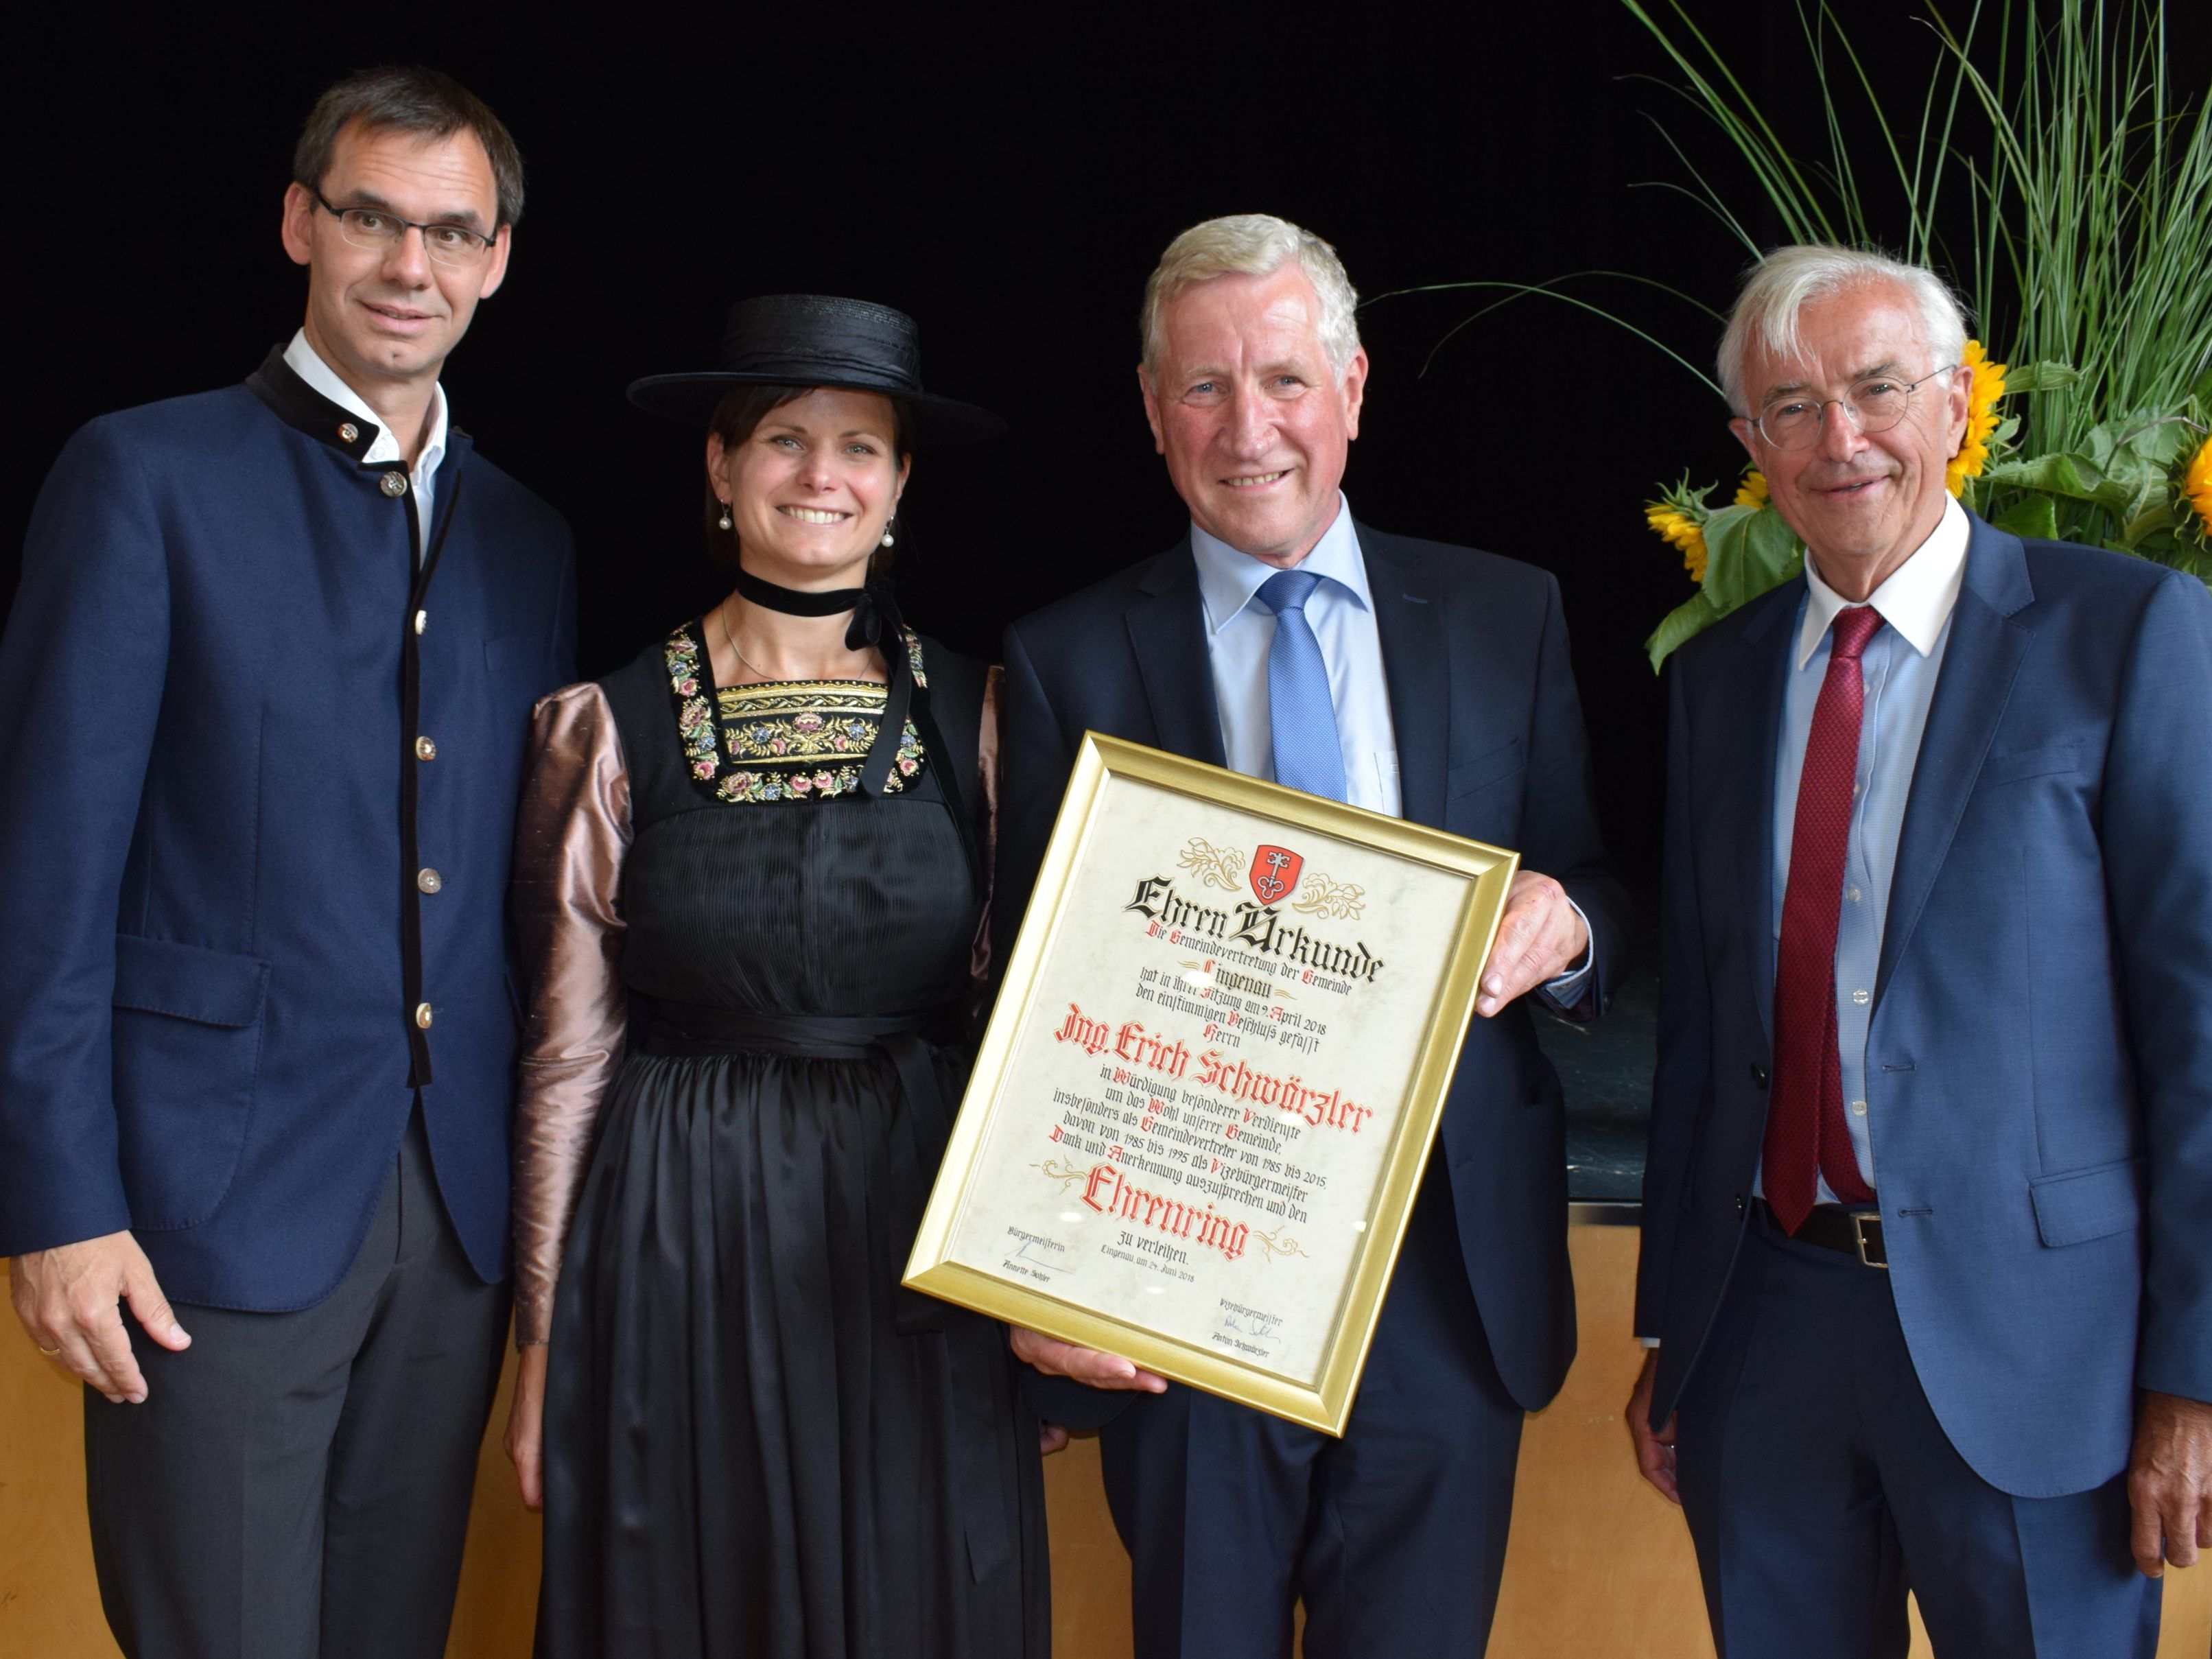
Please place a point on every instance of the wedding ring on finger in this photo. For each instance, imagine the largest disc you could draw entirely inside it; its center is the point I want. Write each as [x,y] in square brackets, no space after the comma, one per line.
[50,1353]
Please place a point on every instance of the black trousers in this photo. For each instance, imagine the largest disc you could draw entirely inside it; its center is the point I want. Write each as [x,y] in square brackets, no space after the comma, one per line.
[296,1485]
[1394,1537]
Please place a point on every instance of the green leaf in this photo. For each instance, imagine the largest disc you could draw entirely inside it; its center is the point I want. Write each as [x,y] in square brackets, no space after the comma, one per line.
[2040,377]
[2034,516]
[1748,550]
[2131,474]
[1777,554]
[1681,625]
[2058,473]
[2161,441]
[2150,517]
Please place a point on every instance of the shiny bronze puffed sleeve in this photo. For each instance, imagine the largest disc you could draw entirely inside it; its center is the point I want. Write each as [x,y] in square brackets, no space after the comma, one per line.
[571,835]
[986,772]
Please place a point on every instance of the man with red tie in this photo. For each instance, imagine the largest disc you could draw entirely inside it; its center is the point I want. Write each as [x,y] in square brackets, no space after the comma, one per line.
[1927,1253]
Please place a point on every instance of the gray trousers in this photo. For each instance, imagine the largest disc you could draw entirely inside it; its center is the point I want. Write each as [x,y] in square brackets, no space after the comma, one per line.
[296,1485]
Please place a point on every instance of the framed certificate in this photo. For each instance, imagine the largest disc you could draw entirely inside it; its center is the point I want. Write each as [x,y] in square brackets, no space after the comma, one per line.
[1219,1055]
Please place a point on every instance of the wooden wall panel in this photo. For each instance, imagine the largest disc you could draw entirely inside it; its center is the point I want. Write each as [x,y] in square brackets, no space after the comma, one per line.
[1599,1566]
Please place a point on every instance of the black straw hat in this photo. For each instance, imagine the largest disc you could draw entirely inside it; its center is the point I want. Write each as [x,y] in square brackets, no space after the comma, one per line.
[814,340]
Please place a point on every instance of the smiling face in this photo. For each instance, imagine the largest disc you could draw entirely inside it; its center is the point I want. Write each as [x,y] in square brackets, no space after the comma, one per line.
[810,488]
[1253,424]
[1863,501]
[390,315]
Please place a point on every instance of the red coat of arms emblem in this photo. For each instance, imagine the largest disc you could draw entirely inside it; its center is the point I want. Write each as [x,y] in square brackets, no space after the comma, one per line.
[1275,874]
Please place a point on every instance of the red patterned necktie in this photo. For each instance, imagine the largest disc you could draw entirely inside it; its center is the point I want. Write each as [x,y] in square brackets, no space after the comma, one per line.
[1805,1127]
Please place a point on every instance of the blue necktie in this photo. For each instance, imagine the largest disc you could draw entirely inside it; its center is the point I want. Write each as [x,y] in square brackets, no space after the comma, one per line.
[1300,716]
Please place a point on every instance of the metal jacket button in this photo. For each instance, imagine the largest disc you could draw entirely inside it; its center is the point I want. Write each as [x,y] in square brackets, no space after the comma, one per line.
[422,620]
[395,483]
[348,432]
[429,880]
[423,1015]
[425,750]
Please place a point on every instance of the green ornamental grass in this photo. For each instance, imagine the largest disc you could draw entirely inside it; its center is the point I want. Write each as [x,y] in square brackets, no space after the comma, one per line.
[2054,175]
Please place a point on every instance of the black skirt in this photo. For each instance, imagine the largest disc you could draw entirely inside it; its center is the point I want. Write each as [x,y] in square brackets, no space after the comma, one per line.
[756,1444]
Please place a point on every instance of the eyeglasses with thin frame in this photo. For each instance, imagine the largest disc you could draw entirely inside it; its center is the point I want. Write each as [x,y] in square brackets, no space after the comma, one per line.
[1875,405]
[378,230]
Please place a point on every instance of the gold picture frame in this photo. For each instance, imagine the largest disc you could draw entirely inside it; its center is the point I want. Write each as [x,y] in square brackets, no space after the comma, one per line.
[1312,1037]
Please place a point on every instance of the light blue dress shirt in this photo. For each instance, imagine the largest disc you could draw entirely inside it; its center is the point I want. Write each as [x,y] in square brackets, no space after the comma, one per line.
[1899,671]
[1239,630]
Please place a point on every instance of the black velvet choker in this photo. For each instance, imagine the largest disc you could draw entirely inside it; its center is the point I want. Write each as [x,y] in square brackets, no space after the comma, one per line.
[871,606]
[798,601]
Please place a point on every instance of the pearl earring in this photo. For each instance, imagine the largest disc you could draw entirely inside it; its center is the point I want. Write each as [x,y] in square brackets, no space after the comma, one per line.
[889,539]
[724,521]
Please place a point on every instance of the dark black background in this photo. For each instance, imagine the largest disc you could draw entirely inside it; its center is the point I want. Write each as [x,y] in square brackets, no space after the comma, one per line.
[1009,178]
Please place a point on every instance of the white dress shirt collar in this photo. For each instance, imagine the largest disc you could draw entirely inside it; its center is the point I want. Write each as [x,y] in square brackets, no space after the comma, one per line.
[308,363]
[1917,600]
[1228,579]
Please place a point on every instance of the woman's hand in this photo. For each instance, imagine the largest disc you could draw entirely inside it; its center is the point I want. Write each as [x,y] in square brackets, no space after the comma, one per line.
[526,1426]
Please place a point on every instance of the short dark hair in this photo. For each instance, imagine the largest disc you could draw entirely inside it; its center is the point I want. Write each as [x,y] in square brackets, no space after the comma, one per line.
[408,98]
[738,415]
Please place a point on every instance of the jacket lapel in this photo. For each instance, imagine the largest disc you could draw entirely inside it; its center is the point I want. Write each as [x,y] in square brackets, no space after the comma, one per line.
[1416,670]
[1167,632]
[1762,682]
[1980,665]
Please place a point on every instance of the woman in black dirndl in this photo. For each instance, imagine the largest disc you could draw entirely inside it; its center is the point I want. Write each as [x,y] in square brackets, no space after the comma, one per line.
[751,871]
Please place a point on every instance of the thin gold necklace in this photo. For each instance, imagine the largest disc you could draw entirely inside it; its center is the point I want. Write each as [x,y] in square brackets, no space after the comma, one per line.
[722,616]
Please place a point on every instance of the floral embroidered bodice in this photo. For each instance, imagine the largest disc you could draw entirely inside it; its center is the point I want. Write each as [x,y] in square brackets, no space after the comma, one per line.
[784,739]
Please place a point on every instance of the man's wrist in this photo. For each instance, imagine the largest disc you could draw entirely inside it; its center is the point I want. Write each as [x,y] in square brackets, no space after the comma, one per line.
[1566,978]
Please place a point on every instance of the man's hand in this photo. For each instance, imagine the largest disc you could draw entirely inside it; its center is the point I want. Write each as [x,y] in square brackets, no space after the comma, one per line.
[67,1296]
[1540,938]
[525,1426]
[1100,1371]
[2170,1482]
[1654,1452]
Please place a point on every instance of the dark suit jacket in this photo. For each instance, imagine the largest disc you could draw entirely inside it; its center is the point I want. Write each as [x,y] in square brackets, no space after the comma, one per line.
[212,814]
[2039,1063]
[1490,745]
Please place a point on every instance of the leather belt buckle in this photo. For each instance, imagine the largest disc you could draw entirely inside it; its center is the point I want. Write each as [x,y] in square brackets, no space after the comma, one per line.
[1866,1233]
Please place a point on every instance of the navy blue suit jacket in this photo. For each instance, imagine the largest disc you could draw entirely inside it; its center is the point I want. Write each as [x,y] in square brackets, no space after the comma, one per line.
[212,814]
[1490,745]
[2039,1063]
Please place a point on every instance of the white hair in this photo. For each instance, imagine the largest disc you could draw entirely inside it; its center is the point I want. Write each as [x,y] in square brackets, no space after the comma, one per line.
[1785,282]
[1255,244]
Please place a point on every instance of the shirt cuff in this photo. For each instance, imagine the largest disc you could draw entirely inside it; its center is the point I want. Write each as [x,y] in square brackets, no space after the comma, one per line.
[1565,991]
[1649,1341]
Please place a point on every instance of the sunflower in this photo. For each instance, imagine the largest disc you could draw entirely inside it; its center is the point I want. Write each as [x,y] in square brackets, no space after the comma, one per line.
[1680,531]
[2196,485]
[1752,492]
[1981,417]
